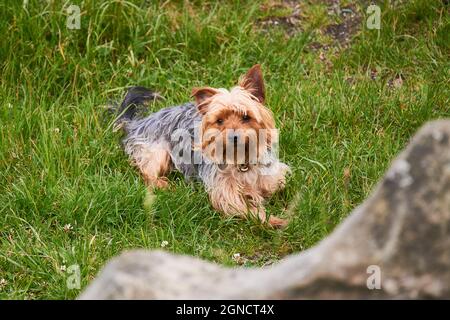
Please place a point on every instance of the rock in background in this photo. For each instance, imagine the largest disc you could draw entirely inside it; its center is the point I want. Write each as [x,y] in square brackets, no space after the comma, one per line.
[400,236]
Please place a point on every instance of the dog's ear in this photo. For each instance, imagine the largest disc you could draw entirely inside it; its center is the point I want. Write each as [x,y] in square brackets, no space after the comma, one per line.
[201,95]
[253,81]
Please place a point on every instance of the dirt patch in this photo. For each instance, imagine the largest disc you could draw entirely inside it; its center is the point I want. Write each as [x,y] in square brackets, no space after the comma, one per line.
[338,22]
[351,23]
[290,20]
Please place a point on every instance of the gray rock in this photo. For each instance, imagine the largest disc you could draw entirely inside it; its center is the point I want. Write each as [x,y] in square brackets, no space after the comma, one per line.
[401,230]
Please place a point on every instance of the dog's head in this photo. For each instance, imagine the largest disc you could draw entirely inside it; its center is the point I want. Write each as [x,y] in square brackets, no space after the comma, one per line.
[236,126]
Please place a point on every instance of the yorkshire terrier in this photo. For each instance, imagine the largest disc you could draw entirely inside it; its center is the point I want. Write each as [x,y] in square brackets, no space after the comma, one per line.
[227,139]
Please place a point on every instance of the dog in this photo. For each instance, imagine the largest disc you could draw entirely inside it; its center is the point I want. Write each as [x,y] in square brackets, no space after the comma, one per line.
[216,139]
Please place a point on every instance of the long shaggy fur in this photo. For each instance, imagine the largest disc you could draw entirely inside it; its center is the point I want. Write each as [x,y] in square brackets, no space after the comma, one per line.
[155,147]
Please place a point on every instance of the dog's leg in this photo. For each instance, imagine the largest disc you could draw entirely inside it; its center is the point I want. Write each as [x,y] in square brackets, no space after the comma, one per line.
[154,163]
[273,221]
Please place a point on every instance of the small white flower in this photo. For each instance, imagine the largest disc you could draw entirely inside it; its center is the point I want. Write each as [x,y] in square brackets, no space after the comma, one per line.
[3,282]
[164,243]
[68,227]
[239,259]
[62,268]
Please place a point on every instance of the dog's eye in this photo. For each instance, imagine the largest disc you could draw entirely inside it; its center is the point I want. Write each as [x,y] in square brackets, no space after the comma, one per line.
[245,118]
[219,121]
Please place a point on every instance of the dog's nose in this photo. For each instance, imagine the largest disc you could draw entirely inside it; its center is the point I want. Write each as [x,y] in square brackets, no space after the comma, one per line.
[233,137]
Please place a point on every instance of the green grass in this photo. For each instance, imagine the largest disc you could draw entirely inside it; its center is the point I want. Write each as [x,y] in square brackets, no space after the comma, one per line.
[60,162]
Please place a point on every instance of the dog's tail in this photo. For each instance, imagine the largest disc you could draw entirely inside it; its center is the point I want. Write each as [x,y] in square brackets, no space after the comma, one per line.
[135,101]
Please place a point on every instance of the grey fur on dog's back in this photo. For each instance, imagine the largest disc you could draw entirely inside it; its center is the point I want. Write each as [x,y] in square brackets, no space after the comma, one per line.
[159,127]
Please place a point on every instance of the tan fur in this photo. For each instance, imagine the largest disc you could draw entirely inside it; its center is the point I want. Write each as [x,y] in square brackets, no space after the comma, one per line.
[230,107]
[242,194]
